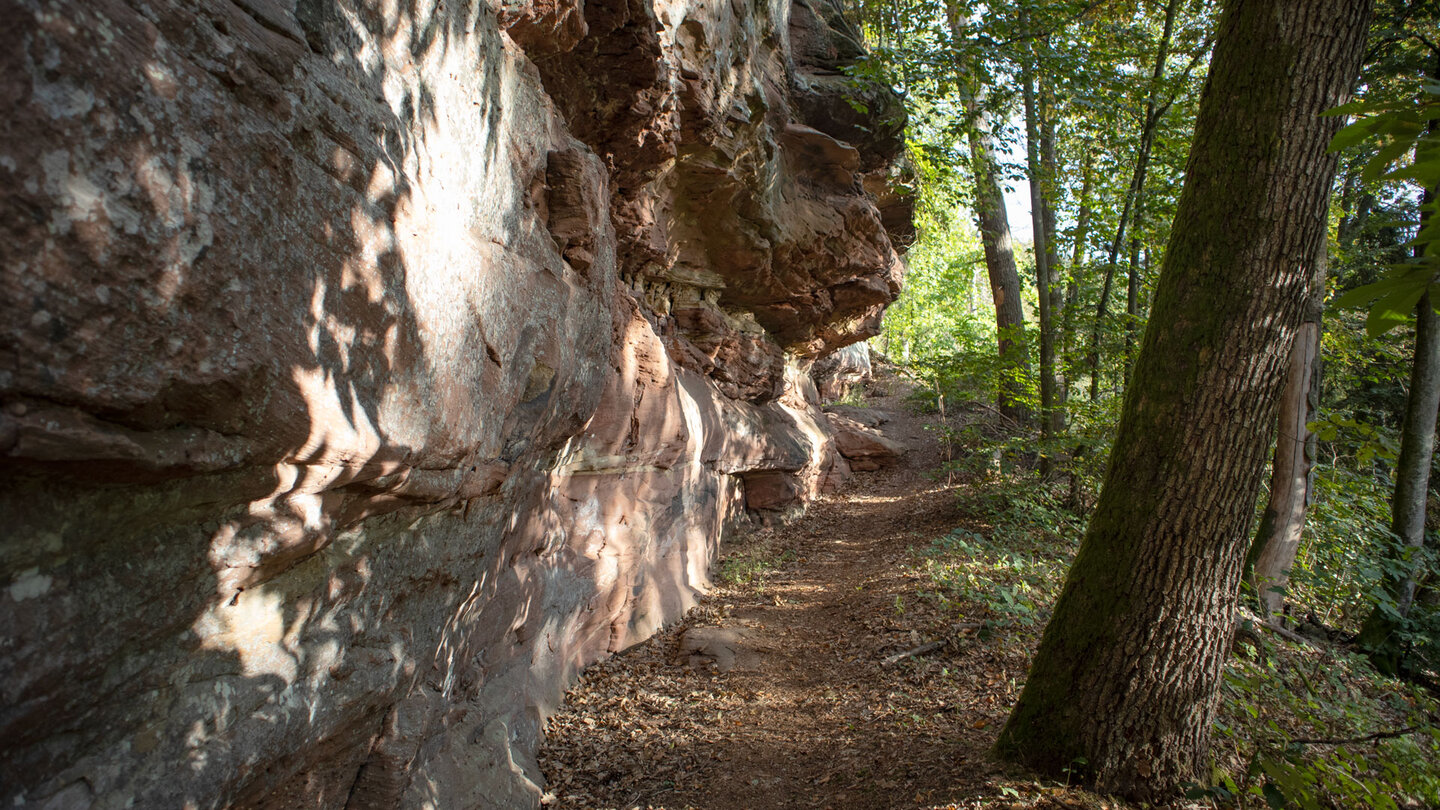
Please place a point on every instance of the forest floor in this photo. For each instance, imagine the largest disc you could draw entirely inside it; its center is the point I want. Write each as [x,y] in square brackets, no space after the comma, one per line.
[815,710]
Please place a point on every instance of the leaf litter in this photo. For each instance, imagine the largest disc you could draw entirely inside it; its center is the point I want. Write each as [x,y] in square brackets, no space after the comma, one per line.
[817,717]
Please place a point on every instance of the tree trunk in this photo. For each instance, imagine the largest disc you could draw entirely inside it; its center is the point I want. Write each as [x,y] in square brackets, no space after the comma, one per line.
[1132,299]
[1417,447]
[1148,127]
[1050,170]
[1278,539]
[1412,483]
[1072,303]
[1043,268]
[1004,278]
[994,228]
[1127,672]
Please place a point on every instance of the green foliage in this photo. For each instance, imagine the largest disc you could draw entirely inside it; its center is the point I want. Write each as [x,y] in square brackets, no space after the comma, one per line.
[753,561]
[1406,147]
[1308,728]
[1011,574]
[1340,563]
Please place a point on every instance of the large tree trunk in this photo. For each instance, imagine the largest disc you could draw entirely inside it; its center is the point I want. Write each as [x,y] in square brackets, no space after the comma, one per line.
[1278,538]
[1127,672]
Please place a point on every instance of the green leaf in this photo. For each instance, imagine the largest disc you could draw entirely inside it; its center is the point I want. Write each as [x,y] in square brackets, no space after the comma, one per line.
[1362,296]
[1389,153]
[1352,135]
[1393,310]
[1359,105]
[1274,796]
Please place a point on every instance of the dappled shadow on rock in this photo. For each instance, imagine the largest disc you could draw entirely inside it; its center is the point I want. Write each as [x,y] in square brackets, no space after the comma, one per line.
[829,710]
[341,426]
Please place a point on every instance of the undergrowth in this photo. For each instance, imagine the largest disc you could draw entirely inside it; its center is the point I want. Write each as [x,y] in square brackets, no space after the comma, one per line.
[1006,570]
[1317,727]
[1313,727]
[752,559]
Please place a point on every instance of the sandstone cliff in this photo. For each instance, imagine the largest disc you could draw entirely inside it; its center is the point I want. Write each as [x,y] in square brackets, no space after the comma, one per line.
[367,367]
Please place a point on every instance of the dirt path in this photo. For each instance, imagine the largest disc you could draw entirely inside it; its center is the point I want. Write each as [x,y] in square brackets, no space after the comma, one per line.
[811,714]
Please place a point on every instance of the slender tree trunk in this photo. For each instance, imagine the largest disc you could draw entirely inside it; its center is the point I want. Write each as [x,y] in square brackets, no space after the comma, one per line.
[1148,126]
[1412,483]
[1043,280]
[995,237]
[1132,299]
[1072,303]
[1278,539]
[1127,672]
[1355,203]
[1004,277]
[1049,171]
[1417,447]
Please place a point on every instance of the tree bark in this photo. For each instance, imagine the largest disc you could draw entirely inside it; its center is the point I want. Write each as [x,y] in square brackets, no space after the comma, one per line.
[1127,672]
[1050,170]
[1278,538]
[1040,225]
[1003,274]
[995,238]
[1412,482]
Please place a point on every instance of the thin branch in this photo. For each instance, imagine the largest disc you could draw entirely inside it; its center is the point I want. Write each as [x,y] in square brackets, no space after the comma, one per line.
[1288,635]
[1379,735]
[911,653]
[1079,15]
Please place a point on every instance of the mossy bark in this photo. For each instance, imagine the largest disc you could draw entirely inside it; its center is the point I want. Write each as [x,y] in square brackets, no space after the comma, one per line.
[1004,276]
[1127,672]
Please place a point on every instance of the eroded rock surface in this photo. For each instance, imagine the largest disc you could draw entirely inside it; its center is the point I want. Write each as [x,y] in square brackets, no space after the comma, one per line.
[837,374]
[368,368]
[859,439]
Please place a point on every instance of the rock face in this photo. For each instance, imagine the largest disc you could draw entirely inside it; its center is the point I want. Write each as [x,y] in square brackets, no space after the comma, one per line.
[840,371]
[860,442]
[368,368]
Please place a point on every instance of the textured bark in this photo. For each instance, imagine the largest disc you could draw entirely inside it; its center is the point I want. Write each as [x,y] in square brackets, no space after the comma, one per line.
[1278,538]
[1417,442]
[1127,672]
[1004,276]
[1280,526]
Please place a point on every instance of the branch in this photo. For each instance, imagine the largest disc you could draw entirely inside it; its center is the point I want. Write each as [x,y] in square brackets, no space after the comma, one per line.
[1184,77]
[1005,43]
[1288,635]
[1379,735]
[911,653]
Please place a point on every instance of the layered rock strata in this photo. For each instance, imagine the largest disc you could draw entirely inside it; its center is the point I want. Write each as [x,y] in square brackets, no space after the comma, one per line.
[367,368]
